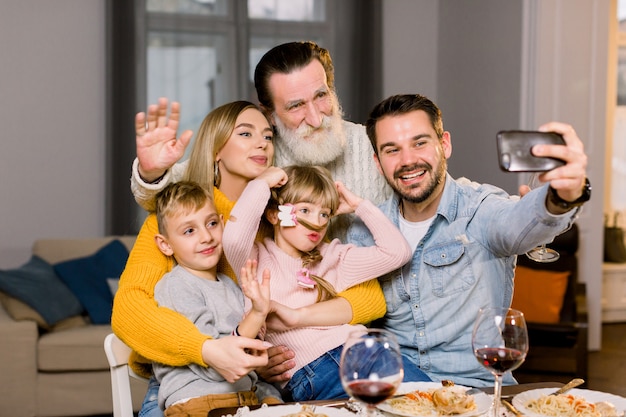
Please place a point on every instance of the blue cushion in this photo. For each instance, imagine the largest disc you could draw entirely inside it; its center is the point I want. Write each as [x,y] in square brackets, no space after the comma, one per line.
[35,283]
[87,278]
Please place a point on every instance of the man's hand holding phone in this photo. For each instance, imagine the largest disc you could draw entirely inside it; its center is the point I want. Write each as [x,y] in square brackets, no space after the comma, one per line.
[563,163]
[515,150]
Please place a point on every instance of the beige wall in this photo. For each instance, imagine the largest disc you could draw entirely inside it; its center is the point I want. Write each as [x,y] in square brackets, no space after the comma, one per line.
[52,118]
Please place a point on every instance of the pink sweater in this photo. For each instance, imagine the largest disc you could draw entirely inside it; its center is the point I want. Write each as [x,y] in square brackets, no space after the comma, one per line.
[343,265]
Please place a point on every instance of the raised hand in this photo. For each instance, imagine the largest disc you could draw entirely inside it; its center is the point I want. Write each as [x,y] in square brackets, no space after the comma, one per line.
[157,146]
[348,201]
[274,176]
[568,179]
[258,293]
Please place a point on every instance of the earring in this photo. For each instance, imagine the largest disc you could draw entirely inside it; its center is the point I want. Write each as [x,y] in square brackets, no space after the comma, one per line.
[216,174]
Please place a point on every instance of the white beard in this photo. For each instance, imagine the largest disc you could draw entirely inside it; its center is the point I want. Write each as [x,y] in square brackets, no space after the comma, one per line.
[308,146]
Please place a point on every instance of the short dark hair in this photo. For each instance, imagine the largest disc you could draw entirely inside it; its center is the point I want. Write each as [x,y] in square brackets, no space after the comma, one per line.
[401,104]
[286,58]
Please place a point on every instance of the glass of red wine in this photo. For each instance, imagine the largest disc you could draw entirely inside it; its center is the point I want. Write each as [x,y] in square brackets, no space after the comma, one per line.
[500,343]
[371,367]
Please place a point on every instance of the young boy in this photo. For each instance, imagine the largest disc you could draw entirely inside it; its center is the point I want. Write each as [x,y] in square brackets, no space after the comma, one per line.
[190,230]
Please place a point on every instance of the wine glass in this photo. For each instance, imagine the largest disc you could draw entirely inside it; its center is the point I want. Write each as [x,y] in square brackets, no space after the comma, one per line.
[540,253]
[500,343]
[371,366]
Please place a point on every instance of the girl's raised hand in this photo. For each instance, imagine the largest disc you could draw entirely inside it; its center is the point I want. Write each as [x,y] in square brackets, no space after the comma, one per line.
[274,176]
[348,201]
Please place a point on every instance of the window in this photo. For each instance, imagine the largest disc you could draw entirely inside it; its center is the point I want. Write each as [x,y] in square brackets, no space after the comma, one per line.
[202,53]
[190,44]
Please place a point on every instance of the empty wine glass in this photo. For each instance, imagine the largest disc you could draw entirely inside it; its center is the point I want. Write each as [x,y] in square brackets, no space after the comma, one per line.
[371,366]
[500,343]
[541,253]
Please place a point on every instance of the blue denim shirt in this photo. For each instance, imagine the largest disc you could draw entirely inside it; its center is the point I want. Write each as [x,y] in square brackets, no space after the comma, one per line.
[465,262]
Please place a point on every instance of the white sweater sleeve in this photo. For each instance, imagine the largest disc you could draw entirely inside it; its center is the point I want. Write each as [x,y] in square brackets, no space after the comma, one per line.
[144,192]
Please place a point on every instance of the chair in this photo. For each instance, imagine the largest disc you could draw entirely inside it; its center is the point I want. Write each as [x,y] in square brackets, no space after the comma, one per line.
[558,349]
[117,354]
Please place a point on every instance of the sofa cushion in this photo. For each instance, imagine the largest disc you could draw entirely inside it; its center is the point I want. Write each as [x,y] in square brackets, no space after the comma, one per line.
[19,310]
[37,285]
[87,278]
[73,349]
[539,294]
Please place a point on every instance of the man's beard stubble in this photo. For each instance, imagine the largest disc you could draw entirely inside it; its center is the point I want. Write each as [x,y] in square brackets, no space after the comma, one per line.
[310,146]
[429,188]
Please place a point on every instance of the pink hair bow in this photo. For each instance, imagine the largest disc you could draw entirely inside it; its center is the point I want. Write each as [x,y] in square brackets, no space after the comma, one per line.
[287,215]
[304,279]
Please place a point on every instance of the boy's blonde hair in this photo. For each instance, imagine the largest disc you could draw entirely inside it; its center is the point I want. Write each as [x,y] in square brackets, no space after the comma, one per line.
[179,198]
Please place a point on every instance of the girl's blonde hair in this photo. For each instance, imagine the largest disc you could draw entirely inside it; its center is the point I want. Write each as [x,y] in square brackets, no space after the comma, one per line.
[311,184]
[214,132]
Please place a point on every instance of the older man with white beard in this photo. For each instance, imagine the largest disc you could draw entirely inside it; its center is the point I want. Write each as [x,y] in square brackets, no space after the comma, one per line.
[295,86]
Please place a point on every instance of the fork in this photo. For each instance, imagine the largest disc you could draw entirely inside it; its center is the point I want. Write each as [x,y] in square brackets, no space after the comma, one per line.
[513,409]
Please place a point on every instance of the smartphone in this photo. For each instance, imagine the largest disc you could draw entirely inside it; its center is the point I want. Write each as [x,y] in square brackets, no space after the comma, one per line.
[514,153]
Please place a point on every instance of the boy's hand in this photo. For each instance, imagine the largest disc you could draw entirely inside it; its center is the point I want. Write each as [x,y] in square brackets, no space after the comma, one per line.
[258,293]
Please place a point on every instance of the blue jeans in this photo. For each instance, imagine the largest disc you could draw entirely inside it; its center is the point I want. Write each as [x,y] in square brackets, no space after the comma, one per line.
[150,405]
[412,373]
[318,380]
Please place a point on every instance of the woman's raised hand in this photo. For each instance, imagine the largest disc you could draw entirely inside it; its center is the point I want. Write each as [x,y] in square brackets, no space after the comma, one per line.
[157,147]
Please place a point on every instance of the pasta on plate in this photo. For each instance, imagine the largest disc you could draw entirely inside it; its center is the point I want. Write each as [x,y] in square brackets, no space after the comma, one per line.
[443,401]
[576,403]
[569,406]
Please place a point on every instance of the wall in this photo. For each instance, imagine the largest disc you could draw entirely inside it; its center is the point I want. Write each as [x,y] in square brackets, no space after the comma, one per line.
[52,101]
[410,29]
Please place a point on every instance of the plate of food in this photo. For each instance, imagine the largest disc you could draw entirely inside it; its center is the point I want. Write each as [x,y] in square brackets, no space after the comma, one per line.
[292,410]
[575,403]
[431,399]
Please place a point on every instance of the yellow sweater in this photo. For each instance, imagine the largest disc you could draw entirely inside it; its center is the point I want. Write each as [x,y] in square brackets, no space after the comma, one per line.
[162,335]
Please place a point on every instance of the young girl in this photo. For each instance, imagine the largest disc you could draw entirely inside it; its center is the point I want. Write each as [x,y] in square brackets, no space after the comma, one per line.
[304,268]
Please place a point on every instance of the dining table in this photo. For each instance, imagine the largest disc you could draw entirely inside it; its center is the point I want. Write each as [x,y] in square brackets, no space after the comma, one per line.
[508,391]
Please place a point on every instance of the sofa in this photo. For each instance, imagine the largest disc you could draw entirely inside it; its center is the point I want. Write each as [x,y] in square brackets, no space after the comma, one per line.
[59,369]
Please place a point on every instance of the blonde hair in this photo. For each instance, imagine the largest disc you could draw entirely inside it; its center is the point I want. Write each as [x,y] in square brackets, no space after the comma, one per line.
[179,197]
[311,184]
[214,132]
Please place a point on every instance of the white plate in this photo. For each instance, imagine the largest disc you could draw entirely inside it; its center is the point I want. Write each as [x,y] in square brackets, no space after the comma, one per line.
[283,410]
[483,401]
[590,396]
